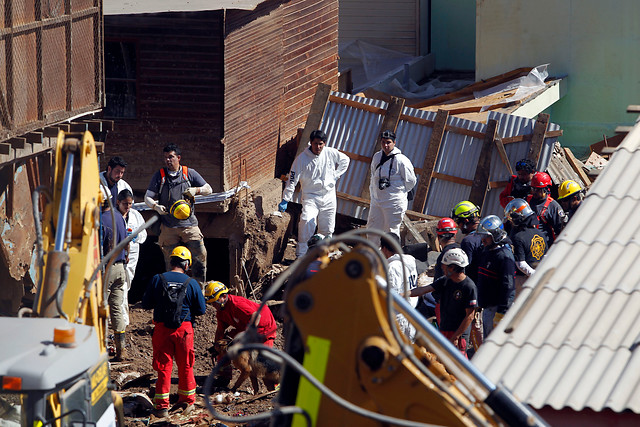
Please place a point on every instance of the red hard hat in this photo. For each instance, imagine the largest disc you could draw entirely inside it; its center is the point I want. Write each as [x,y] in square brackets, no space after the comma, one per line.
[446,226]
[541,180]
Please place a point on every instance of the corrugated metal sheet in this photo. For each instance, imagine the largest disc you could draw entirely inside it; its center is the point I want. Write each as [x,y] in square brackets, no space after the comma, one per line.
[355,130]
[128,7]
[575,329]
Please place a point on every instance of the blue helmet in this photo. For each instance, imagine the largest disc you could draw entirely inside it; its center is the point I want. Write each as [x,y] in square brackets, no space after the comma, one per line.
[492,226]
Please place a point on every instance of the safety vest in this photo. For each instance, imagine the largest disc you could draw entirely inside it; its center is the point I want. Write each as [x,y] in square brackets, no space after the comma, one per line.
[541,217]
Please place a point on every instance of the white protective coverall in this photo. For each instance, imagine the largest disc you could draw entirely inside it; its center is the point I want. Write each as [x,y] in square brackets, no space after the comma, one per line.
[317,175]
[395,282]
[389,204]
[134,221]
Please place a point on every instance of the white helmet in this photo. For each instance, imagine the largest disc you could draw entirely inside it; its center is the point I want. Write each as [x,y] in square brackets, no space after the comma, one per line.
[455,256]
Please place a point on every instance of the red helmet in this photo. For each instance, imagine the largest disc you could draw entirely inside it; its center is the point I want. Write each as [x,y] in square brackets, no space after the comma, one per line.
[540,180]
[446,226]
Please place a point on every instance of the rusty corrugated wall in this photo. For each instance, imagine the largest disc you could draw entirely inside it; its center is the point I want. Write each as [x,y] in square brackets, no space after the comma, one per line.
[50,63]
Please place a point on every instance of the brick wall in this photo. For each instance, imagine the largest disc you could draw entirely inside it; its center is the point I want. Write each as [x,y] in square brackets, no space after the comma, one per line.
[179,93]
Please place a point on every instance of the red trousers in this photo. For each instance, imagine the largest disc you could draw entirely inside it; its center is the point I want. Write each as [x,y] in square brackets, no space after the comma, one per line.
[462,343]
[167,345]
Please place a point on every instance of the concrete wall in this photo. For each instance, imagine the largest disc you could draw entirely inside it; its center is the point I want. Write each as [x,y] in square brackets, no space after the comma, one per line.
[453,34]
[595,43]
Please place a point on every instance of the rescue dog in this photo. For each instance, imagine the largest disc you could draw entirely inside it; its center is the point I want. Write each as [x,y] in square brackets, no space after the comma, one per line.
[251,365]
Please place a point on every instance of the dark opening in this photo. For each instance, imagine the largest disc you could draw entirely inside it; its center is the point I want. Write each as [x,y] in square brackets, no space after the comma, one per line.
[218,259]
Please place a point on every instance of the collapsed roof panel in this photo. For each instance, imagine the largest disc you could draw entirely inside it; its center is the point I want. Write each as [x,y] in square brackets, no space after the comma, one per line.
[446,162]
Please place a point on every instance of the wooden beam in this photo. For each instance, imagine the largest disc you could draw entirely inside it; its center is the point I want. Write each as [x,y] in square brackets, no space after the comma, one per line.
[34,137]
[481,179]
[412,230]
[5,148]
[503,153]
[78,127]
[576,167]
[18,143]
[429,163]
[356,104]
[390,122]
[537,140]
[316,112]
[51,132]
[633,109]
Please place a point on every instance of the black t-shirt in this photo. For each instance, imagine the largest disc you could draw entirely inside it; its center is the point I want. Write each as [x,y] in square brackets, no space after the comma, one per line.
[530,245]
[455,298]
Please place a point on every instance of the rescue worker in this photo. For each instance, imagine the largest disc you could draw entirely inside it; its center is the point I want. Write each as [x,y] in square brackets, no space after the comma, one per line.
[550,214]
[395,279]
[467,217]
[446,230]
[317,169]
[496,271]
[176,299]
[458,298]
[233,311]
[133,220]
[116,277]
[392,177]
[530,244]
[570,196]
[519,185]
[113,178]
[171,185]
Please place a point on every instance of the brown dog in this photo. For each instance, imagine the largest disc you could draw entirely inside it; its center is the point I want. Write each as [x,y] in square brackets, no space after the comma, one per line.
[251,365]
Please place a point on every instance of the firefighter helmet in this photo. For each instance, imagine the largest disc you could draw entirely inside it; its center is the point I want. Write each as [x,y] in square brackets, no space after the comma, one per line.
[492,226]
[465,209]
[182,253]
[541,180]
[214,289]
[568,188]
[517,211]
[446,226]
[181,209]
[455,256]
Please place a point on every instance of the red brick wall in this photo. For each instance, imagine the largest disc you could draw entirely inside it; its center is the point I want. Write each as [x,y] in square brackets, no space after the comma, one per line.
[179,93]
[274,58]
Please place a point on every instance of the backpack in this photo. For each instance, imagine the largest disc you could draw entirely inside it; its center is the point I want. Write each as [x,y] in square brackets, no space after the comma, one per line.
[170,303]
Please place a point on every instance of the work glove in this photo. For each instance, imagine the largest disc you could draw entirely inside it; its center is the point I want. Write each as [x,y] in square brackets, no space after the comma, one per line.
[160,209]
[190,194]
[283,206]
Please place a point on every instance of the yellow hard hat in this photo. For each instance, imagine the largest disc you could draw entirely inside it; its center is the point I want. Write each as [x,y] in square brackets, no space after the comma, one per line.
[213,290]
[465,209]
[180,209]
[182,252]
[568,188]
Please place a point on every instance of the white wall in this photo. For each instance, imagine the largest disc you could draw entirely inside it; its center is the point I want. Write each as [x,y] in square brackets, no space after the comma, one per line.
[595,43]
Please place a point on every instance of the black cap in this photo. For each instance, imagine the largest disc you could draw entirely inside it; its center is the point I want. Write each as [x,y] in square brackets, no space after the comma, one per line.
[388,134]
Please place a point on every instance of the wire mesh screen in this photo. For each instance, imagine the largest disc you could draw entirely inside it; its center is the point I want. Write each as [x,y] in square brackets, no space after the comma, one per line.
[51,65]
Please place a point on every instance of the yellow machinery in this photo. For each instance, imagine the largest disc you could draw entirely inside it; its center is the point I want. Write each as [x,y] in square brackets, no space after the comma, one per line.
[53,364]
[347,364]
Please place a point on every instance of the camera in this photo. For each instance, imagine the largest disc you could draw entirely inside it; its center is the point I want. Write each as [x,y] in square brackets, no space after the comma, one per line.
[383,183]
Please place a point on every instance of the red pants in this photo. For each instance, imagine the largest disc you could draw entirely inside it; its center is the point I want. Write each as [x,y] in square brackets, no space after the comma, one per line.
[167,344]
[462,343]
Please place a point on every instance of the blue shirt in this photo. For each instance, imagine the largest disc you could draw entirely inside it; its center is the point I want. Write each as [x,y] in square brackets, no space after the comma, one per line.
[193,304]
[107,235]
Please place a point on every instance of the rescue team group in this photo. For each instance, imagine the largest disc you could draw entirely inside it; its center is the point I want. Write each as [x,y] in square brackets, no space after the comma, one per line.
[481,271]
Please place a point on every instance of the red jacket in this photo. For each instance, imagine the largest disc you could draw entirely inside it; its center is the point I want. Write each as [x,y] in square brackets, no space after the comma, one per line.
[237,312]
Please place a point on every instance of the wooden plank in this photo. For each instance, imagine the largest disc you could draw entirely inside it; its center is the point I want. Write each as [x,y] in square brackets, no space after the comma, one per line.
[455,179]
[481,179]
[529,136]
[539,130]
[576,167]
[18,143]
[78,127]
[356,104]
[463,131]
[316,112]
[5,148]
[412,230]
[51,132]
[503,154]
[34,137]
[633,109]
[429,163]
[365,202]
[390,122]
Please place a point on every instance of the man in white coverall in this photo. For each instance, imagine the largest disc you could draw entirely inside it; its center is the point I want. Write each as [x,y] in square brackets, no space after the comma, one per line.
[395,280]
[317,169]
[392,177]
